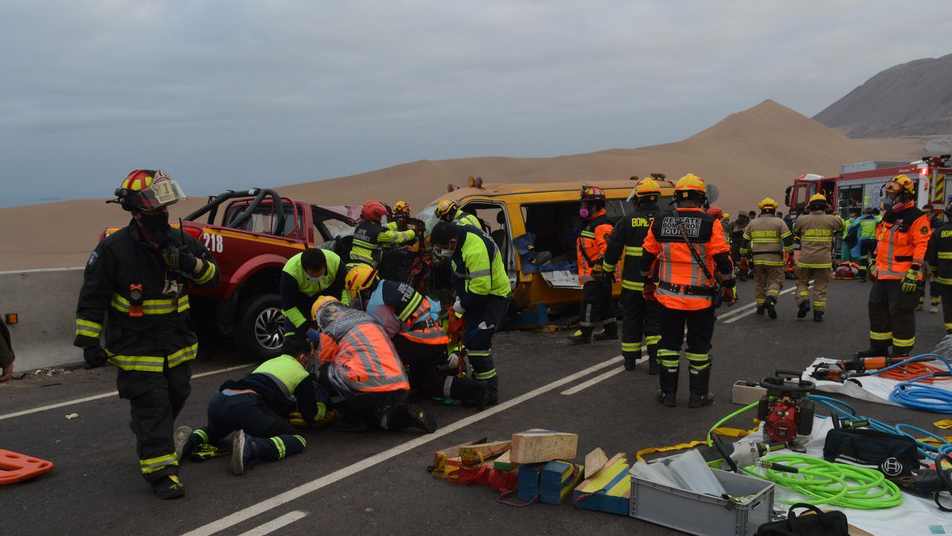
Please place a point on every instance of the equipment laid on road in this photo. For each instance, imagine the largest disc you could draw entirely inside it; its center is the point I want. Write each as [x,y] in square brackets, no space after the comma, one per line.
[15,467]
[785,410]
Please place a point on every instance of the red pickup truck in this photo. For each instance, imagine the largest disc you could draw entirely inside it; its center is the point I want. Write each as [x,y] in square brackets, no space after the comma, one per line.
[251,239]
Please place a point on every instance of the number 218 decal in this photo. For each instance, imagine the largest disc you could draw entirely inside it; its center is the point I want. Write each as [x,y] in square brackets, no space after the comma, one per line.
[213,242]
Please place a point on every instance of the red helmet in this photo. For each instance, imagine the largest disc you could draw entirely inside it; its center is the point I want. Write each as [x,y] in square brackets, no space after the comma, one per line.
[145,189]
[716,212]
[592,193]
[373,211]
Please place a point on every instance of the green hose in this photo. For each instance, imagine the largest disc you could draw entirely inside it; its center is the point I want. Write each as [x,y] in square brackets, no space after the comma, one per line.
[729,417]
[835,484]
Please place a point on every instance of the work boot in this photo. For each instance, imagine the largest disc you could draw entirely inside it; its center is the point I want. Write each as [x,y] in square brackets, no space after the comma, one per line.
[697,400]
[669,399]
[168,487]
[818,316]
[631,359]
[608,333]
[420,419]
[804,309]
[492,391]
[770,305]
[242,453]
[761,308]
[181,438]
[580,337]
[934,309]
[653,365]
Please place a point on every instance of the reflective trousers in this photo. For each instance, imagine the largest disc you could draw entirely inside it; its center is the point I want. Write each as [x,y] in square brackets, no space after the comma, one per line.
[155,398]
[892,317]
[640,321]
[945,291]
[273,437]
[422,362]
[700,330]
[768,281]
[820,277]
[596,305]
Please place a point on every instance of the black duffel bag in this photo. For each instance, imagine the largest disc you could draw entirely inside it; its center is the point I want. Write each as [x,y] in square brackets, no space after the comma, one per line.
[819,523]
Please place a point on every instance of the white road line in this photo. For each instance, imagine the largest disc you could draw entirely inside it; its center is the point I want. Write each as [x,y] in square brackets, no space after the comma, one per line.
[276,524]
[103,395]
[340,474]
[594,380]
[752,311]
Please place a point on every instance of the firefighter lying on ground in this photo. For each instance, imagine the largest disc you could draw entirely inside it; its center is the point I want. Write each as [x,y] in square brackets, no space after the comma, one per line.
[411,321]
[256,409]
[361,372]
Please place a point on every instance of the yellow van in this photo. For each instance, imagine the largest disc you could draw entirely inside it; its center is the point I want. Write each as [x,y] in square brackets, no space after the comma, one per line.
[535,227]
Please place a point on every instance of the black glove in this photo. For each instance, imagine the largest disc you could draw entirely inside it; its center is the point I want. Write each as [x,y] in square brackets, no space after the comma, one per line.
[186,261]
[95,356]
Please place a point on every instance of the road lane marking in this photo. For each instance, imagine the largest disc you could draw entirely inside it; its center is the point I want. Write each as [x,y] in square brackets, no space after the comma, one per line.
[340,474]
[105,395]
[276,524]
[752,311]
[596,379]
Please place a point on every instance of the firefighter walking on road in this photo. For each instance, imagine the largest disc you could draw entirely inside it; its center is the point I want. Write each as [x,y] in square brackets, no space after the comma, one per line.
[939,258]
[765,240]
[590,246]
[136,285]
[816,231]
[903,237]
[640,315]
[693,269]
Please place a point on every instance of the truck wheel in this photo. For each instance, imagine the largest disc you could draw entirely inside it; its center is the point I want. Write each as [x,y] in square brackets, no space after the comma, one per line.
[261,326]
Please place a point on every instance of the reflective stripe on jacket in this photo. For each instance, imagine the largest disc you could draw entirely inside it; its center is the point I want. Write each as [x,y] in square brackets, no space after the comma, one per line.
[767,238]
[364,359]
[939,254]
[465,218]
[478,271]
[412,309]
[902,242]
[591,243]
[627,240]
[368,238]
[297,307]
[816,231]
[285,371]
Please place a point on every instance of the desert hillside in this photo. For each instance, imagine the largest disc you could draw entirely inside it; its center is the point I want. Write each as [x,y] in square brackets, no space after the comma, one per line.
[748,155]
[912,99]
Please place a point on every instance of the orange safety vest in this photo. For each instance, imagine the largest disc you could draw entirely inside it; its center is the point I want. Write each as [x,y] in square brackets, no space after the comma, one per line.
[901,245]
[366,359]
[591,244]
[422,328]
[681,282]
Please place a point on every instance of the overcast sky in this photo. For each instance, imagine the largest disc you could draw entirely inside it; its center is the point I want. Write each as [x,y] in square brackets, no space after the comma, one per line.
[239,93]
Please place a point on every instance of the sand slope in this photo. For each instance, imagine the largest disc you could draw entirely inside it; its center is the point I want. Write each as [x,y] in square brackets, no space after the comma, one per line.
[748,155]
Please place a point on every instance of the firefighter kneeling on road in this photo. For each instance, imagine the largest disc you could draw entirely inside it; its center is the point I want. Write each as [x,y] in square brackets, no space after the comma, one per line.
[765,240]
[903,237]
[596,283]
[939,257]
[816,231]
[256,408]
[411,321]
[691,252]
[640,315]
[136,283]
[361,372]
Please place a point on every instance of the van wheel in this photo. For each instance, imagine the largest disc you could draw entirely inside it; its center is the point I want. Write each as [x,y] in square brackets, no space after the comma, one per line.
[261,326]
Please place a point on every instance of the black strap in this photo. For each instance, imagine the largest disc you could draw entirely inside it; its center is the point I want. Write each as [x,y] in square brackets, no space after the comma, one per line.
[697,256]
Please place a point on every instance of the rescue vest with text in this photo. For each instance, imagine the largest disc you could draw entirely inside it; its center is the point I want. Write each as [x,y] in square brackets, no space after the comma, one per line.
[412,309]
[766,239]
[627,240]
[816,231]
[939,254]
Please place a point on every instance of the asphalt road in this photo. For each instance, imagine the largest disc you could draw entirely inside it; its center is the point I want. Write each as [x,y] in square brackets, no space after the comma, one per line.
[376,482]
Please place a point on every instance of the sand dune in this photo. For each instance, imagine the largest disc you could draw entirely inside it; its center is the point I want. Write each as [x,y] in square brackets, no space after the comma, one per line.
[748,155]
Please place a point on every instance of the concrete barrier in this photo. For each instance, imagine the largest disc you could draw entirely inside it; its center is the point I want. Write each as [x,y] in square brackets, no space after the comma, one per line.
[45,301]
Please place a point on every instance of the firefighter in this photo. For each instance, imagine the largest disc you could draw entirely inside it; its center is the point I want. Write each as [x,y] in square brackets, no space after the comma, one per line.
[627,239]
[816,231]
[397,258]
[928,278]
[482,294]
[257,407]
[401,217]
[590,245]
[737,238]
[136,282]
[902,240]
[862,234]
[7,357]
[686,289]
[939,257]
[361,372]
[764,241]
[412,322]
[448,210]
[370,235]
[307,275]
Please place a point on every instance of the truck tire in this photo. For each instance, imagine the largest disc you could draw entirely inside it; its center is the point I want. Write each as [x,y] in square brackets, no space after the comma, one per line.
[261,326]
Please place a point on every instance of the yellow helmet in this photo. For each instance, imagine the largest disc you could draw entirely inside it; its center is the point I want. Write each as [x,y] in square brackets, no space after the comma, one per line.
[359,278]
[646,187]
[768,204]
[901,184]
[446,209]
[401,208]
[818,197]
[690,186]
[321,301]
[727,216]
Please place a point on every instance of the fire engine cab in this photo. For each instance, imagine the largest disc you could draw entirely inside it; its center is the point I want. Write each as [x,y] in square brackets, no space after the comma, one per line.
[860,185]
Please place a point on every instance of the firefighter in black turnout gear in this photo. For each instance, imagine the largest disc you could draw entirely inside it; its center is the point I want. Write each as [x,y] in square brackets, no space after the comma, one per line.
[641,315]
[136,284]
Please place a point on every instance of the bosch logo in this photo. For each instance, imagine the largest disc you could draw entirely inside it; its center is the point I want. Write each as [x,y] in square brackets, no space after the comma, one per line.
[891,467]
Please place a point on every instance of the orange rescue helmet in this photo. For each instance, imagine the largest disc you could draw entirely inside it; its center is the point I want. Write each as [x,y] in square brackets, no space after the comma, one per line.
[373,211]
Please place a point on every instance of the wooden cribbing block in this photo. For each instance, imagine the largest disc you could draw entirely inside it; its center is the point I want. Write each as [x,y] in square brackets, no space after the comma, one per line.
[440,468]
[483,451]
[594,461]
[529,475]
[608,490]
[503,463]
[557,481]
[536,446]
